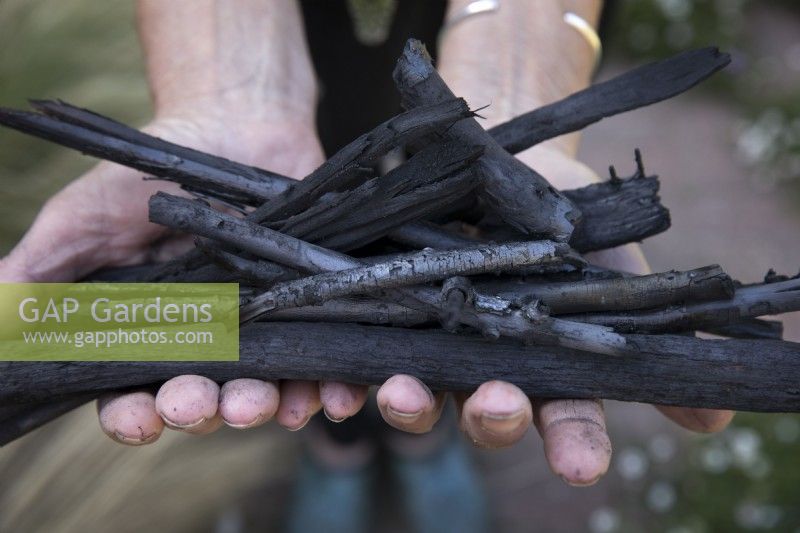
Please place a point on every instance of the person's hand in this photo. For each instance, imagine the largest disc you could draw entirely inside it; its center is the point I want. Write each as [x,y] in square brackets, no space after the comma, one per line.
[498,414]
[100,220]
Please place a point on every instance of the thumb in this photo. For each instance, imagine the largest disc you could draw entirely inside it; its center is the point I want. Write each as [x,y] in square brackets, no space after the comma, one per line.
[98,220]
[52,250]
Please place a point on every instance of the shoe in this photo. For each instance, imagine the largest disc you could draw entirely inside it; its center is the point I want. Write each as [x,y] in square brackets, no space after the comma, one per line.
[330,500]
[443,491]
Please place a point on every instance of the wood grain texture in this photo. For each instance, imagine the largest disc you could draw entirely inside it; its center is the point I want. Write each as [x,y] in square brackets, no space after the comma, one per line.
[521,196]
[670,370]
[636,88]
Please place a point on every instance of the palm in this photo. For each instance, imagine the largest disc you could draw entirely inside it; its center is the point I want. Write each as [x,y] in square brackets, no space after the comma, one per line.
[107,207]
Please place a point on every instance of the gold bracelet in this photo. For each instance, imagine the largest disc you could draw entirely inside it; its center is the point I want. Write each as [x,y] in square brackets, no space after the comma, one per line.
[588,32]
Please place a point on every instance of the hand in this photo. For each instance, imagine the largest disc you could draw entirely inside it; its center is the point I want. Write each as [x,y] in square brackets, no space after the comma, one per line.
[101,220]
[498,414]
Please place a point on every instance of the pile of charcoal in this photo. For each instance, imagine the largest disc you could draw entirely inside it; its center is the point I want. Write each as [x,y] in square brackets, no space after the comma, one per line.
[458,266]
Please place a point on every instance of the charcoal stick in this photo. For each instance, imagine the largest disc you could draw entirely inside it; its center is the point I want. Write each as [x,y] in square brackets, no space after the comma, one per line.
[671,370]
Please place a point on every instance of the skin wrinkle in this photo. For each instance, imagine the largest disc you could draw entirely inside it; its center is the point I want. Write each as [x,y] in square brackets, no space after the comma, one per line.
[578,419]
[541,60]
[229,52]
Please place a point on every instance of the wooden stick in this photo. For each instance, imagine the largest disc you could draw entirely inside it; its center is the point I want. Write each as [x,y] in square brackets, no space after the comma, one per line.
[250,188]
[748,302]
[615,212]
[414,269]
[673,370]
[522,197]
[272,182]
[636,88]
[428,184]
[490,315]
[749,328]
[346,166]
[256,271]
[618,211]
[205,174]
[623,294]
[357,310]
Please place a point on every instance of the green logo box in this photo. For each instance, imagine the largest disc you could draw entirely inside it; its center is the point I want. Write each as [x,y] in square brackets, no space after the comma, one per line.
[119,322]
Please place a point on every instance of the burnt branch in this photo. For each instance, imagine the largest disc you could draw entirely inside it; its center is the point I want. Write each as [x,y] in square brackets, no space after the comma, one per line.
[348,166]
[622,294]
[618,211]
[247,188]
[272,182]
[749,328]
[414,269]
[522,197]
[234,184]
[636,88]
[429,183]
[490,315]
[748,302]
[668,370]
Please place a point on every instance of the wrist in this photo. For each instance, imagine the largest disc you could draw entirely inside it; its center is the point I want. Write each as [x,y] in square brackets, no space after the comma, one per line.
[285,96]
[244,116]
[517,58]
[243,60]
[288,147]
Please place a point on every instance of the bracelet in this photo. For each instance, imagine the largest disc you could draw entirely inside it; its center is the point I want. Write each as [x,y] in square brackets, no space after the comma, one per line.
[587,32]
[476,7]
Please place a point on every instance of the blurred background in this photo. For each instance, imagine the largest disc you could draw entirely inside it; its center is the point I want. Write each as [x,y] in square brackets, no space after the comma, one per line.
[728,154]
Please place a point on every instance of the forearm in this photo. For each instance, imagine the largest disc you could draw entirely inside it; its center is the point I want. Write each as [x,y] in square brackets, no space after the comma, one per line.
[244,58]
[519,57]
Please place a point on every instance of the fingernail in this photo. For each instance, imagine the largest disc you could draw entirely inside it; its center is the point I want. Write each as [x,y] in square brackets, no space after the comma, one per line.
[135,441]
[502,424]
[248,425]
[332,418]
[175,425]
[405,417]
[581,483]
[301,426]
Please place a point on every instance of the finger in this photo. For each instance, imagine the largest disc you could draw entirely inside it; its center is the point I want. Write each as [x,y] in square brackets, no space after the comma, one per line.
[341,400]
[699,420]
[627,258]
[299,402]
[189,404]
[247,403]
[576,444]
[408,404]
[107,210]
[130,418]
[498,414]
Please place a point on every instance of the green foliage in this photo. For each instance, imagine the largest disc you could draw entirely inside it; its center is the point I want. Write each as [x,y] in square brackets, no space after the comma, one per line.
[81,51]
[742,479]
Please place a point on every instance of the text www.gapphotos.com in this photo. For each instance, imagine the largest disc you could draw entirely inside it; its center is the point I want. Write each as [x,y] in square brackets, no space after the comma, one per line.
[108,338]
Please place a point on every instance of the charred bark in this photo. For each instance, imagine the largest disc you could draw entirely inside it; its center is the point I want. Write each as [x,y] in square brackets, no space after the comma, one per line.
[522,197]
[668,370]
[634,89]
